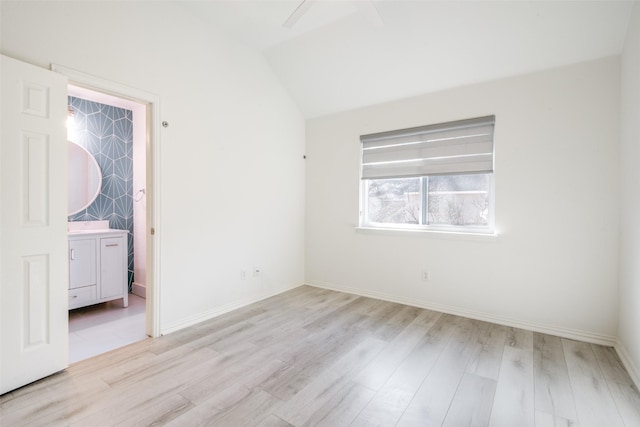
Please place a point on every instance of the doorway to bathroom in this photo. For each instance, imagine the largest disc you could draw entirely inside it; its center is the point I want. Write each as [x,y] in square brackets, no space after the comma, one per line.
[113,131]
[151,196]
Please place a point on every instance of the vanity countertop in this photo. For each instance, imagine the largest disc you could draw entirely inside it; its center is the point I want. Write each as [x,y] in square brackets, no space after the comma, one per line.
[91,227]
[86,232]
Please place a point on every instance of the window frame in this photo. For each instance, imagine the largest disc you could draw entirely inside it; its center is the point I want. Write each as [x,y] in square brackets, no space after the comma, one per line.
[459,148]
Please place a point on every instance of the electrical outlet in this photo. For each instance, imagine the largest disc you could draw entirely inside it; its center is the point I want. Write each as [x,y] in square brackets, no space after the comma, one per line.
[256,272]
[425,275]
[243,274]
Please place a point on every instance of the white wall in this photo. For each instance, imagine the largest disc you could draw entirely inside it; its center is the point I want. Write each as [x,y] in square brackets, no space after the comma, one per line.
[553,266]
[232,173]
[629,326]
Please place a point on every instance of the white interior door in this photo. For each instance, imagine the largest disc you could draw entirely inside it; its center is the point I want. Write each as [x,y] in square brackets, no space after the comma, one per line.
[33,224]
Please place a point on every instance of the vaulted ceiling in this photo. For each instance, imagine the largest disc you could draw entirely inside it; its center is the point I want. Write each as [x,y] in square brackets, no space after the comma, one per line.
[339,55]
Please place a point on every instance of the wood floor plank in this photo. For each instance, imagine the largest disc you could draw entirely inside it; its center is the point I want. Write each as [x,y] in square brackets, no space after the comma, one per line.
[519,338]
[156,411]
[136,391]
[327,304]
[611,365]
[113,374]
[222,400]
[395,324]
[627,401]
[306,368]
[203,329]
[487,354]
[388,405]
[358,357]
[253,408]
[47,405]
[114,358]
[594,402]
[471,405]
[168,366]
[625,393]
[225,371]
[311,398]
[376,307]
[513,404]
[382,367]
[553,394]
[342,408]
[544,419]
[273,421]
[344,315]
[312,356]
[251,411]
[431,402]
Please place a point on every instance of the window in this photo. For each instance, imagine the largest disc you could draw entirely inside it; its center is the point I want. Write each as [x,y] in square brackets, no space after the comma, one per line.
[437,177]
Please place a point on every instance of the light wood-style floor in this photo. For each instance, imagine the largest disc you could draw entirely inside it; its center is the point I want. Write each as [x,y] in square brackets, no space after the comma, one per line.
[317,357]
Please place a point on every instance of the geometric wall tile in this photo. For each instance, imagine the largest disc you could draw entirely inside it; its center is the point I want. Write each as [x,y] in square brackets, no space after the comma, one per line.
[123,207]
[116,221]
[122,167]
[107,133]
[105,163]
[109,146]
[122,131]
[102,207]
[108,111]
[120,186]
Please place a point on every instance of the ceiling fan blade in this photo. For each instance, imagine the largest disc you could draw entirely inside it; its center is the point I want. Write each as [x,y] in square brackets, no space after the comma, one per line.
[297,14]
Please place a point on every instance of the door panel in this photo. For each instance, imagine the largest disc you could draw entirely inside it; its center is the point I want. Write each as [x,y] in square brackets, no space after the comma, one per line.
[82,264]
[112,267]
[33,224]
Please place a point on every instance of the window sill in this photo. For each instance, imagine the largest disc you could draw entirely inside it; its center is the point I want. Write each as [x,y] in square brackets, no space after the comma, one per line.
[441,234]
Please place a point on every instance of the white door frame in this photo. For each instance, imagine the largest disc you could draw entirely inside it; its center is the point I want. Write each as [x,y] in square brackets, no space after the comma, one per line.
[80,79]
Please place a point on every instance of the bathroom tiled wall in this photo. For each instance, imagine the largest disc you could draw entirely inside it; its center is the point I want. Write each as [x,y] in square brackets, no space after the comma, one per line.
[107,133]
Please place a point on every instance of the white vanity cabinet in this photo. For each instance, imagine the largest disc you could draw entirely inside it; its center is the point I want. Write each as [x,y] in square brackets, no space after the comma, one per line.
[97,267]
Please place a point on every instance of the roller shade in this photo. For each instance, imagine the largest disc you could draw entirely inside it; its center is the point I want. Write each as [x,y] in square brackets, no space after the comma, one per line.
[464,146]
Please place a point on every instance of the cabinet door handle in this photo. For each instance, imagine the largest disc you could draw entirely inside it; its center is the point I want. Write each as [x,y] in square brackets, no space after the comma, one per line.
[112,245]
[73,254]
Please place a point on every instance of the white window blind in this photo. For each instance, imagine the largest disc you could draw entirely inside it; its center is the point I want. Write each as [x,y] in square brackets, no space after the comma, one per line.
[460,147]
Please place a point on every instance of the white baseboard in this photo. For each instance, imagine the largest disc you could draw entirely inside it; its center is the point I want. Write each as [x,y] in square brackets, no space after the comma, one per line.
[201,317]
[625,357]
[579,335]
[139,289]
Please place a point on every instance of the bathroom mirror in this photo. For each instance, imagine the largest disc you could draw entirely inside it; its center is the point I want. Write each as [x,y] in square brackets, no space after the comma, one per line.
[85,178]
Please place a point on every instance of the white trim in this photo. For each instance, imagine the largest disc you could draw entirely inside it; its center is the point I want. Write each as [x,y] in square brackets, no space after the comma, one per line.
[207,315]
[441,234]
[83,80]
[575,334]
[139,289]
[627,361]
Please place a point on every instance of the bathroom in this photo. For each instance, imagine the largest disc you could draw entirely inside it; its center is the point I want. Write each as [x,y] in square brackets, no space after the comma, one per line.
[112,134]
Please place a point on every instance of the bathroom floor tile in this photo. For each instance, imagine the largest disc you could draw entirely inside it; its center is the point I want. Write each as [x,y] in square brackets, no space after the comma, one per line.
[103,327]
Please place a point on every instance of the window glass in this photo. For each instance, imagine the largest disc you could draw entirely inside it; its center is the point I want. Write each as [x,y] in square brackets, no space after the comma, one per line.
[443,202]
[394,201]
[459,200]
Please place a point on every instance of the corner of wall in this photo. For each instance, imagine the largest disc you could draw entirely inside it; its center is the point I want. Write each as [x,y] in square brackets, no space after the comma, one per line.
[628,343]
[627,361]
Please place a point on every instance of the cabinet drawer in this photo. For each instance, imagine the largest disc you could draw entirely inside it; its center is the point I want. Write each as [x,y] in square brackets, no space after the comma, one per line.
[79,297]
